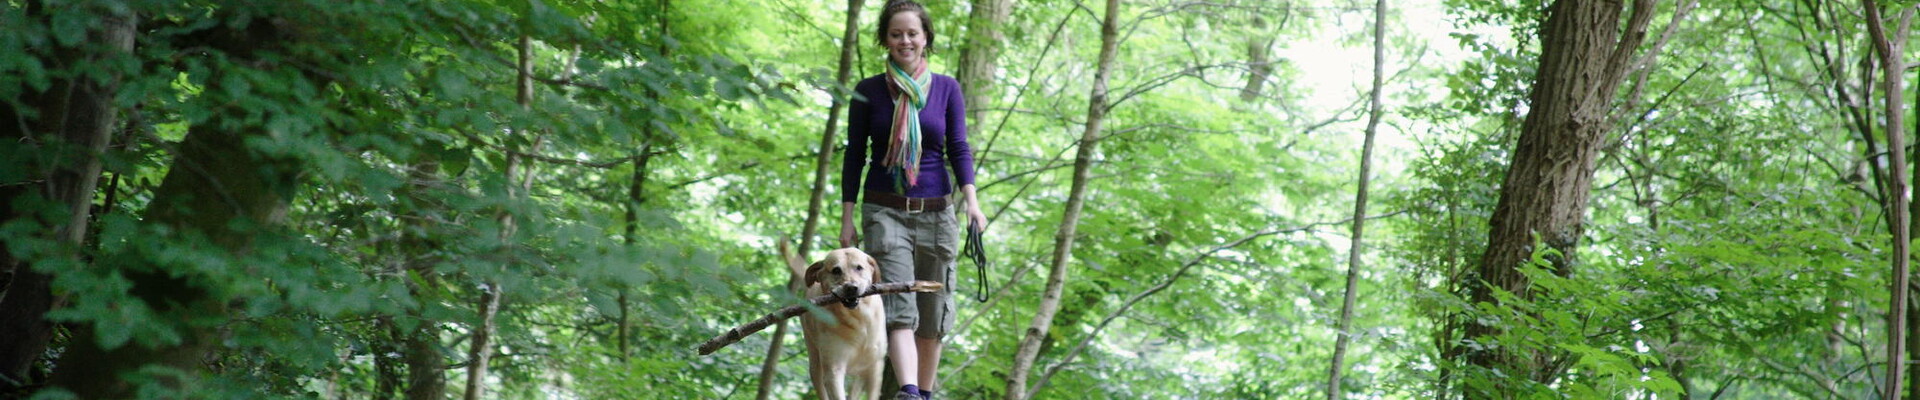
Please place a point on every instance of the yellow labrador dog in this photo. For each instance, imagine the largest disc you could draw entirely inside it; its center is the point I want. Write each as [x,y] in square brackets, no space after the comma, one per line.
[851,341]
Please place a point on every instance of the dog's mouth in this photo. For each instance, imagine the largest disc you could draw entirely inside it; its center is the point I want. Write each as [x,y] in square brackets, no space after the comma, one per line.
[849,295]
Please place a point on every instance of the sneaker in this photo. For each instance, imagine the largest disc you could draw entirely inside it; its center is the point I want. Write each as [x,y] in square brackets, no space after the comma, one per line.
[907,395]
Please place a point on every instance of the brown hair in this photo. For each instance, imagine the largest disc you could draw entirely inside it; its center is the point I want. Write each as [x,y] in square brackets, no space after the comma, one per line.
[900,6]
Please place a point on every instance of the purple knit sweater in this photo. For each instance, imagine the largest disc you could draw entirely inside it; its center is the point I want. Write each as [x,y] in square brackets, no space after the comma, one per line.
[943,141]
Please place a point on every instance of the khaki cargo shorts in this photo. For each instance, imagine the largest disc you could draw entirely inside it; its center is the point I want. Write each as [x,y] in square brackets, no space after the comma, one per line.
[914,246]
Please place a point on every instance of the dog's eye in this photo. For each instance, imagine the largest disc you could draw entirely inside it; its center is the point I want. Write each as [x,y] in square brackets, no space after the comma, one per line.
[836,270]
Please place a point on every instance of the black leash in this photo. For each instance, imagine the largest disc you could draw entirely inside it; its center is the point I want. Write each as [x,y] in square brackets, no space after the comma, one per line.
[976,250]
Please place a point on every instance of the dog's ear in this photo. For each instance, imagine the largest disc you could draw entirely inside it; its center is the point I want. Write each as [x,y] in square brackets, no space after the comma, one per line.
[813,273]
[874,265]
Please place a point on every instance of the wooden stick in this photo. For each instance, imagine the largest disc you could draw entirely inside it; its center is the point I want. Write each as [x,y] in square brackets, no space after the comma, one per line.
[741,332]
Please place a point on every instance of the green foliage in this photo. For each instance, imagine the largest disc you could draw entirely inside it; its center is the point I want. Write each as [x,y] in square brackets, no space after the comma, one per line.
[1733,245]
[399,118]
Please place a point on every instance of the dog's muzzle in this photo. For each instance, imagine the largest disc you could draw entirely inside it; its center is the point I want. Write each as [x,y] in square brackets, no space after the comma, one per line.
[848,294]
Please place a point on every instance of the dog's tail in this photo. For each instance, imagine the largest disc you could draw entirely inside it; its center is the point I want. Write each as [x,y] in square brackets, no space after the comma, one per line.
[795,282]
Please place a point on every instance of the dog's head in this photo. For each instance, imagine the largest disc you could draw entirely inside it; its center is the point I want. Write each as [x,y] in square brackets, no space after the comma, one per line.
[842,267]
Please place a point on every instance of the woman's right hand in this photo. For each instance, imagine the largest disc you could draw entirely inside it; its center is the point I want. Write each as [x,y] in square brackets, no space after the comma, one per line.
[847,234]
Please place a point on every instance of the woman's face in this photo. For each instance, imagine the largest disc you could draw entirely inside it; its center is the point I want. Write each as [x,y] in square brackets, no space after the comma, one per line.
[906,42]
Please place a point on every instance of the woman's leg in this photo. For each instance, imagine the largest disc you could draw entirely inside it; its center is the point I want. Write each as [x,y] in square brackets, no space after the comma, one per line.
[906,360]
[889,240]
[929,361]
[934,255]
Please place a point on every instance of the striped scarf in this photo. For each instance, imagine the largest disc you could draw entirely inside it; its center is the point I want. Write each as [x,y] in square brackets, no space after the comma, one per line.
[909,89]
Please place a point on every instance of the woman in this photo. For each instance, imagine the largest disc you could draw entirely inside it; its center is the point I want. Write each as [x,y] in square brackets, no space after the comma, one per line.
[914,122]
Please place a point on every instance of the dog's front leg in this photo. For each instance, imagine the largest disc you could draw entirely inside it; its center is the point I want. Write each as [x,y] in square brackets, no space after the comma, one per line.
[816,368]
[837,382]
[869,377]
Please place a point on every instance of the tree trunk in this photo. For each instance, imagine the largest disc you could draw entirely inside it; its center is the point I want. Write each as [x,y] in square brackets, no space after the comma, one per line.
[386,378]
[426,379]
[636,188]
[1913,216]
[420,351]
[420,344]
[981,152]
[1063,240]
[980,59]
[76,118]
[213,166]
[91,371]
[1341,328]
[1854,108]
[1259,59]
[1189,265]
[480,351]
[636,195]
[1866,175]
[823,162]
[1582,61]
[1890,50]
[625,322]
[1677,366]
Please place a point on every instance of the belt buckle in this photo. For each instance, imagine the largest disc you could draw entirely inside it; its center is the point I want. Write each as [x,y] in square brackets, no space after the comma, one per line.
[911,201]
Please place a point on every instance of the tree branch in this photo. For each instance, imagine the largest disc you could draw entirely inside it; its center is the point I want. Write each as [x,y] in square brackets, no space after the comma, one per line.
[1044,51]
[735,334]
[590,164]
[1163,80]
[1636,33]
[1177,274]
[710,176]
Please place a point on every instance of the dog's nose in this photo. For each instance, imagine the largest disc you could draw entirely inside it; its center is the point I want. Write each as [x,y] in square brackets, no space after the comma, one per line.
[849,295]
[847,290]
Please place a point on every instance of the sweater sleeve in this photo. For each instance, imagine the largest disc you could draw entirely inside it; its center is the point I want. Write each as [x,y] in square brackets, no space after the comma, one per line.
[959,154]
[854,159]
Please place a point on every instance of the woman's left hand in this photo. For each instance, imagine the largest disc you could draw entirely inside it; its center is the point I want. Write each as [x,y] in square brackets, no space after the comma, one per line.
[976,221]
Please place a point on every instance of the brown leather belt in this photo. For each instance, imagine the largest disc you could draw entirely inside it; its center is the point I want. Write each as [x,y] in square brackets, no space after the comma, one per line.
[908,204]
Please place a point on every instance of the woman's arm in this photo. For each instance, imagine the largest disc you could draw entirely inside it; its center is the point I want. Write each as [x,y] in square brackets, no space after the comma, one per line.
[852,163]
[976,219]
[960,156]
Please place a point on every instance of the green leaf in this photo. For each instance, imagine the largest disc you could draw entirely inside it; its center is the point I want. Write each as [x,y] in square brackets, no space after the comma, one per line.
[70,25]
